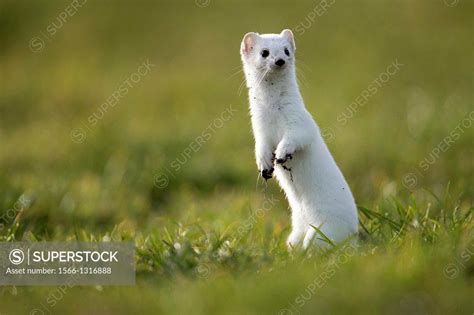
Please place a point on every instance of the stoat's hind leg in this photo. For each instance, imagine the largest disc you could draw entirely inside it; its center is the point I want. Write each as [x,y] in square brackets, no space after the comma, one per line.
[313,238]
[298,226]
[336,230]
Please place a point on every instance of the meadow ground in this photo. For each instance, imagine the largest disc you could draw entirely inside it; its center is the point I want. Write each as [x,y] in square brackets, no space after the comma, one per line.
[169,163]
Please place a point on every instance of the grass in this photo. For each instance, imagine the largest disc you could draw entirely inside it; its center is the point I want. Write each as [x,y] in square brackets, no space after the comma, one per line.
[408,258]
[210,238]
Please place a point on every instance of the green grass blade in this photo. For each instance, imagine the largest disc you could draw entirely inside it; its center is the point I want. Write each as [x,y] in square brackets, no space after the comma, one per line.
[324,237]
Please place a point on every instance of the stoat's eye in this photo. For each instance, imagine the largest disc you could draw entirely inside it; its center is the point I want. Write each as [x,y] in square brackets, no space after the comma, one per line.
[287,52]
[265,53]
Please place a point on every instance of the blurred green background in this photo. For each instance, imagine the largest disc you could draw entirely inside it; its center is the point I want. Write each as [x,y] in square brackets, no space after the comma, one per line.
[106,180]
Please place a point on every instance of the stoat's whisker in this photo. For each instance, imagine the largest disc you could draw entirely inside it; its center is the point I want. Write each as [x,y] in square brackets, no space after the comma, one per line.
[241,87]
[235,73]
[300,76]
[261,79]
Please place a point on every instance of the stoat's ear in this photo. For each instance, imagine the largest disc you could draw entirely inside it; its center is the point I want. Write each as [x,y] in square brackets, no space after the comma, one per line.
[248,42]
[288,35]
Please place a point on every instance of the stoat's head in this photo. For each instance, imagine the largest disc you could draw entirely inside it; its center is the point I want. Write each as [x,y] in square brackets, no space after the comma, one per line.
[271,54]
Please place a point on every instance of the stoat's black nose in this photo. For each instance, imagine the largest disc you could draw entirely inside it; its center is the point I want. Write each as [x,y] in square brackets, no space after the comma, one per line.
[280,62]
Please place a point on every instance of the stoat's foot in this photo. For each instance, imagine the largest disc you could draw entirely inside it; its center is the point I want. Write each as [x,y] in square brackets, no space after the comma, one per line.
[294,240]
[265,159]
[284,159]
[284,152]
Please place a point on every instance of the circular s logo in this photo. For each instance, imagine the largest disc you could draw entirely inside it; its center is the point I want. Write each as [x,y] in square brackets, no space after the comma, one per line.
[16,256]
[36,44]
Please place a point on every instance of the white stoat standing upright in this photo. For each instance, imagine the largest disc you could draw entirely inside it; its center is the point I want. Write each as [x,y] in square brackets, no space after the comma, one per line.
[288,142]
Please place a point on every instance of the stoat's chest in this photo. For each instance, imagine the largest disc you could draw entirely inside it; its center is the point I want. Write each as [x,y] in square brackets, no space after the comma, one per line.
[270,119]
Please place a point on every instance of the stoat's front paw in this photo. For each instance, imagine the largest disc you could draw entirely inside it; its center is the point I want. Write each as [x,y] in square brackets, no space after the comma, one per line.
[265,165]
[267,174]
[283,153]
[287,157]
